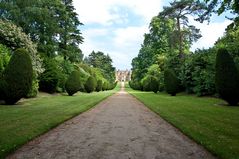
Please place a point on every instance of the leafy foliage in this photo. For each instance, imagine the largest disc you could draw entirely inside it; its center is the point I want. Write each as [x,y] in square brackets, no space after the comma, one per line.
[44,21]
[227,77]
[172,84]
[48,80]
[198,72]
[90,84]
[104,63]
[4,58]
[73,83]
[13,37]
[18,76]
[99,85]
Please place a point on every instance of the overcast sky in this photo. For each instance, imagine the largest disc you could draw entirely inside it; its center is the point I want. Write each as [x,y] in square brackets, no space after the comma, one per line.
[116,27]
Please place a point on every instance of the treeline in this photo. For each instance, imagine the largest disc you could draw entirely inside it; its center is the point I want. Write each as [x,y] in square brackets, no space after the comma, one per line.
[48,32]
[165,62]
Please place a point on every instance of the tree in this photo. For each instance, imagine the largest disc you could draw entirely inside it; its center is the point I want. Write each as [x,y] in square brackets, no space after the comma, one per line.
[13,37]
[51,24]
[18,76]
[171,82]
[227,77]
[70,35]
[179,10]
[104,63]
[73,83]
[90,84]
[99,85]
[48,80]
[221,6]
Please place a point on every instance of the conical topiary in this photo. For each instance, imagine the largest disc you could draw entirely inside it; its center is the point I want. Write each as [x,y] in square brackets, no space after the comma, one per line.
[18,76]
[90,84]
[73,83]
[171,82]
[227,77]
[99,86]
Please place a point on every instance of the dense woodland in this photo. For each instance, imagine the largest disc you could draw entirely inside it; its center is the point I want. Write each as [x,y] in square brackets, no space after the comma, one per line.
[39,50]
[165,62]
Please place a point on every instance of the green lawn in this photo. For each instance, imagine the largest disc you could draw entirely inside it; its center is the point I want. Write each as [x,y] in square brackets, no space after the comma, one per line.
[205,120]
[30,118]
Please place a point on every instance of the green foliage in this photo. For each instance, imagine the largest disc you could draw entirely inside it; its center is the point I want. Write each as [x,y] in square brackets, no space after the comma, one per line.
[150,83]
[90,84]
[18,76]
[185,34]
[2,88]
[105,86]
[13,37]
[172,84]
[104,63]
[99,85]
[65,68]
[135,85]
[48,80]
[73,83]
[227,77]
[198,72]
[43,21]
[4,58]
[34,88]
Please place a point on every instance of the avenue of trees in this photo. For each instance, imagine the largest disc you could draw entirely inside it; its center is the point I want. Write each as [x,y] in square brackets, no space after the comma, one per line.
[46,33]
[165,53]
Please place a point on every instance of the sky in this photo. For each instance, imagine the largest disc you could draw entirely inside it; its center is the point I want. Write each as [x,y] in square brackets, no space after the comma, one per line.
[117,27]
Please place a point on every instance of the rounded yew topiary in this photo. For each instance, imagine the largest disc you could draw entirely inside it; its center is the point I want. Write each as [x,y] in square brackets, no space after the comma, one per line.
[99,86]
[90,84]
[171,82]
[18,76]
[73,83]
[105,86]
[154,84]
[227,77]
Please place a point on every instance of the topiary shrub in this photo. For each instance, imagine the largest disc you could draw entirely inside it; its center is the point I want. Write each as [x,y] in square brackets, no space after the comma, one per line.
[150,83]
[105,86]
[73,83]
[18,76]
[90,84]
[99,86]
[135,85]
[154,84]
[48,80]
[2,88]
[171,82]
[227,77]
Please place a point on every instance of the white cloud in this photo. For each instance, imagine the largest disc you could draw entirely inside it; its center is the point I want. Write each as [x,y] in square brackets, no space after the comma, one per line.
[210,33]
[129,36]
[92,11]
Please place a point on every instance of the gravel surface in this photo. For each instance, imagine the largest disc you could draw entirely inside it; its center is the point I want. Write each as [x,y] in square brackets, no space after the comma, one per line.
[120,127]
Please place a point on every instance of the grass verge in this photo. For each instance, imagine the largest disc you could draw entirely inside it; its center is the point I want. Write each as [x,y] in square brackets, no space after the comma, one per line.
[204,119]
[31,118]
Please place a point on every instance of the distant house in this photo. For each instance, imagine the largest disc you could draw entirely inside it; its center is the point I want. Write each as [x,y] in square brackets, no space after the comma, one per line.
[123,76]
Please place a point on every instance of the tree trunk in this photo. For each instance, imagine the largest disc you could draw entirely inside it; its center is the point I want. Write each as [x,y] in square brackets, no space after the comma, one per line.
[180,38]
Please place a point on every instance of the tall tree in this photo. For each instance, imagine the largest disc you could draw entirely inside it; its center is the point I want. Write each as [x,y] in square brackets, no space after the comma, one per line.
[158,42]
[103,62]
[70,35]
[51,24]
[180,10]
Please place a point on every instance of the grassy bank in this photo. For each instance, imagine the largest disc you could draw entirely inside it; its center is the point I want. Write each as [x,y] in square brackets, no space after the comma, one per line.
[30,118]
[206,120]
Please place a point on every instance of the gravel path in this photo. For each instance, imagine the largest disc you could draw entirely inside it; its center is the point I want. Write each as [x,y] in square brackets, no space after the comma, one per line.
[120,127]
